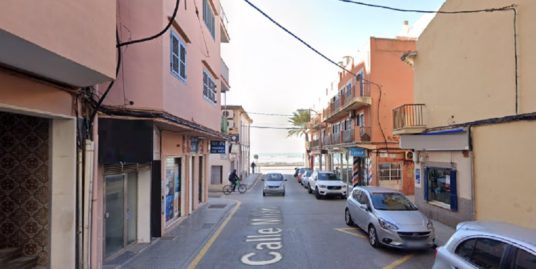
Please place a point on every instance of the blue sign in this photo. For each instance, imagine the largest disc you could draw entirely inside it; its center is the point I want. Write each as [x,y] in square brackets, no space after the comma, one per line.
[217,147]
[358,152]
[418,176]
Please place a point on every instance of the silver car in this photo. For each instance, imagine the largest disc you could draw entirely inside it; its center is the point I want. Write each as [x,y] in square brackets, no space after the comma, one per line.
[389,218]
[305,178]
[487,244]
[274,183]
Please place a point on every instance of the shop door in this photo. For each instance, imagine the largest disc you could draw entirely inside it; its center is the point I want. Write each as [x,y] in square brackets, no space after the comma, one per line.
[216,172]
[191,187]
[114,214]
[200,190]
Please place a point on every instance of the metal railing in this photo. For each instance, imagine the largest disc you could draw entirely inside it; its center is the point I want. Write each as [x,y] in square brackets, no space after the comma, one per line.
[408,116]
[346,96]
[365,133]
[225,71]
[314,143]
[348,136]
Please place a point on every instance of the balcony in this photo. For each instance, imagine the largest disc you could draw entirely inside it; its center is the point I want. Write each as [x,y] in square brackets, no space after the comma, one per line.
[408,119]
[346,101]
[348,136]
[314,143]
[326,140]
[225,38]
[225,86]
[363,134]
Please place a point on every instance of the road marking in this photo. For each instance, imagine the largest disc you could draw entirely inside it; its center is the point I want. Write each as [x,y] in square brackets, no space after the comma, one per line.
[398,262]
[206,247]
[267,238]
[351,231]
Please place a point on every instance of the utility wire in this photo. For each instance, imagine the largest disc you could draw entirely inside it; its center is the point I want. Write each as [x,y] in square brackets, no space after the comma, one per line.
[270,114]
[131,42]
[505,8]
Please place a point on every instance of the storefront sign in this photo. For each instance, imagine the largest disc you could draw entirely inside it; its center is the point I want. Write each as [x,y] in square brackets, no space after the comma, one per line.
[217,147]
[417,177]
[358,152]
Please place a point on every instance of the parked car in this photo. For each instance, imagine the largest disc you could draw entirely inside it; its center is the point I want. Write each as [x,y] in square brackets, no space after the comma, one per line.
[305,178]
[302,172]
[389,218]
[274,183]
[488,244]
[326,183]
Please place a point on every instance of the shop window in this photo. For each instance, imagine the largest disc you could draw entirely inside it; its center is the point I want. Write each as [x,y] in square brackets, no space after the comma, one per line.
[389,171]
[440,186]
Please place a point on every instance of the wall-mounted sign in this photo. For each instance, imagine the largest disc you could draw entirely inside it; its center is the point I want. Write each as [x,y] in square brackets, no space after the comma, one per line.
[217,147]
[358,152]
[417,177]
[235,137]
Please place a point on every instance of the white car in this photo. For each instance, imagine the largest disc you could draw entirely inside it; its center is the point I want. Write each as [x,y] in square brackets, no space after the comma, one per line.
[326,183]
[488,244]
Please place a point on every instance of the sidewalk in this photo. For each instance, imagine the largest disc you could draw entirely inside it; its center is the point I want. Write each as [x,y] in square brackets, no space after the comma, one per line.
[180,246]
[442,232]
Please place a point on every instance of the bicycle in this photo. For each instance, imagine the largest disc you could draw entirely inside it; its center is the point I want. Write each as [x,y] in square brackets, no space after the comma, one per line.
[227,189]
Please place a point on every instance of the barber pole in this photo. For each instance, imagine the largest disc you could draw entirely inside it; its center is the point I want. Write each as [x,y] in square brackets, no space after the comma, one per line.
[355,171]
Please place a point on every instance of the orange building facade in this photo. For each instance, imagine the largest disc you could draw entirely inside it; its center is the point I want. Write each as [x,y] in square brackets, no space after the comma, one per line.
[353,134]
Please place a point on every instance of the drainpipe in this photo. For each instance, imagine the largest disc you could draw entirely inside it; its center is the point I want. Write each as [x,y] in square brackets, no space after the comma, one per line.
[472,169]
[89,157]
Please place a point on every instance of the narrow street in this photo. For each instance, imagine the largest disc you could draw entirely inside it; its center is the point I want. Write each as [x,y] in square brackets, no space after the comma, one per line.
[310,233]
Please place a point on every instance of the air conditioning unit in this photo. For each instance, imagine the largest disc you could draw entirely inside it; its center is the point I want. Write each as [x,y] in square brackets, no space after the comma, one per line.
[228,113]
[408,156]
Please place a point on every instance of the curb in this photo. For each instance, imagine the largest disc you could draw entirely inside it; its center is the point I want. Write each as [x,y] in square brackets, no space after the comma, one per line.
[209,235]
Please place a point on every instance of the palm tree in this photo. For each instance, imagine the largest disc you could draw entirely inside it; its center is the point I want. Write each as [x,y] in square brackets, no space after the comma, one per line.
[300,119]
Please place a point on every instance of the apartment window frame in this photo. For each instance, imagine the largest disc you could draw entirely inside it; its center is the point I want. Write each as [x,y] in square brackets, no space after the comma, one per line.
[209,18]
[210,91]
[389,171]
[179,56]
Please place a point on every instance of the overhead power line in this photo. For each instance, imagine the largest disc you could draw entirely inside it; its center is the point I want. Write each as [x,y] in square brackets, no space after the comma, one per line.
[505,8]
[270,114]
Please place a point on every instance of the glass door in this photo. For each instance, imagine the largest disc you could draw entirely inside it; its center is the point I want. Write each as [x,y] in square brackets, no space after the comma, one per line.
[132,207]
[114,214]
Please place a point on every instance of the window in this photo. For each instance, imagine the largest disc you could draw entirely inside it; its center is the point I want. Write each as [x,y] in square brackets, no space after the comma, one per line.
[349,89]
[390,171]
[360,120]
[524,260]
[361,78]
[355,194]
[209,87]
[178,57]
[208,17]
[486,253]
[440,186]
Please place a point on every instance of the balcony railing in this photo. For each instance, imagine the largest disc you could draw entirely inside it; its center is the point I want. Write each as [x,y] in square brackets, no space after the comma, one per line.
[364,134]
[314,143]
[225,72]
[408,118]
[223,26]
[348,136]
[346,100]
[326,140]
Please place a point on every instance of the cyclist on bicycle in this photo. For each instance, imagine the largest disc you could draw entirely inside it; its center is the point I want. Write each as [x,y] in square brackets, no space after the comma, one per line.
[233,178]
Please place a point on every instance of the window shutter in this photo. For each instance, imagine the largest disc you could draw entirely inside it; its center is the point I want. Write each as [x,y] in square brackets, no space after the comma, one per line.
[425,182]
[182,58]
[174,48]
[453,191]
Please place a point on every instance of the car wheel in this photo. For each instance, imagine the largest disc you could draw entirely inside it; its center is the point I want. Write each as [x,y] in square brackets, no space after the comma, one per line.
[317,194]
[373,237]
[309,188]
[283,193]
[263,194]
[348,218]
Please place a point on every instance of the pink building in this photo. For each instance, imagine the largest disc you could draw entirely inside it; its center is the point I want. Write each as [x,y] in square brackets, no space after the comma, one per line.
[49,53]
[157,123]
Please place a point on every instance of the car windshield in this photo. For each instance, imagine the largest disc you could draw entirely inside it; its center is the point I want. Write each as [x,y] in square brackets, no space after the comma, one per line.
[274,177]
[327,176]
[391,201]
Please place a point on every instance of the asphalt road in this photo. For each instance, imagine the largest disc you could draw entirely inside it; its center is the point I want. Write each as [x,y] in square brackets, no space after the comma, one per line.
[299,231]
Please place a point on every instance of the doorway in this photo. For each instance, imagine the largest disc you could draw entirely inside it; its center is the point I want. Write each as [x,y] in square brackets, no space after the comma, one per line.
[200,180]
[121,213]
[216,174]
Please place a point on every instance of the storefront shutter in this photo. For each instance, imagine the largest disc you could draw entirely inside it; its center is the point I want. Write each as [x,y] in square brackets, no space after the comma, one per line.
[425,183]
[453,191]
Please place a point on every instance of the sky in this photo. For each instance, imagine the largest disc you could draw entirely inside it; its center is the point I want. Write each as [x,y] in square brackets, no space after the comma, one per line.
[271,72]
